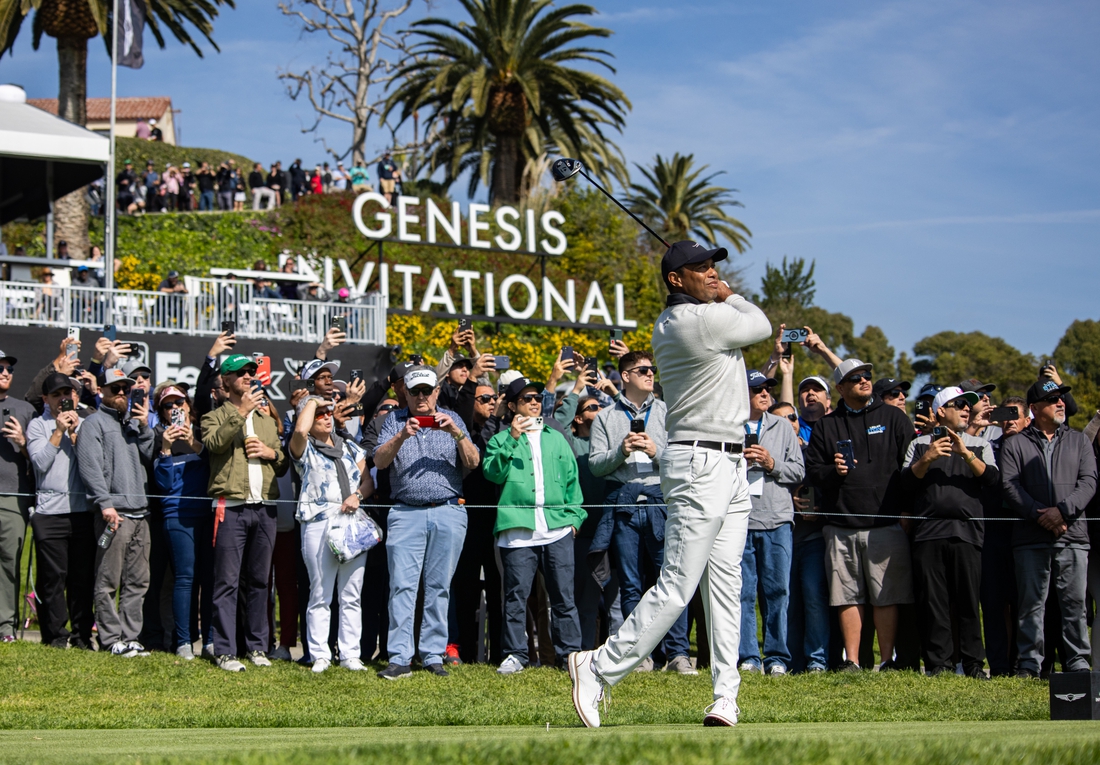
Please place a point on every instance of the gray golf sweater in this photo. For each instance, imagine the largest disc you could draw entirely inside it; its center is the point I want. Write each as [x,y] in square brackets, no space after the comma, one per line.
[697,347]
[612,425]
[111,456]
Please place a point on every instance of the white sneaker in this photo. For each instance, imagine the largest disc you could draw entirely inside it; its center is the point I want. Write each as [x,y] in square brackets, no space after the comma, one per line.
[229,664]
[124,649]
[776,670]
[138,648]
[721,713]
[749,667]
[587,688]
[185,652]
[282,653]
[355,664]
[258,658]
[646,665]
[320,665]
[510,666]
[682,665]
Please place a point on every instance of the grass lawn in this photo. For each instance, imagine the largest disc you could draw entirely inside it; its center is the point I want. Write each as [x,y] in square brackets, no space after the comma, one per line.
[76,706]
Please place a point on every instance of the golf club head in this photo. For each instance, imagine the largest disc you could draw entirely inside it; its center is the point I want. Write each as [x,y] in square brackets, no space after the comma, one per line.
[565,168]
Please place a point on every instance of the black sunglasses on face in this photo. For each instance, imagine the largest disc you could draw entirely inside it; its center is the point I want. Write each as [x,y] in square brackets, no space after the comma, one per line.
[177,404]
[957,404]
[527,398]
[591,408]
[792,417]
[1052,399]
[643,371]
[421,391]
[485,398]
[7,368]
[141,376]
[893,393]
[386,408]
[857,377]
[114,390]
[756,391]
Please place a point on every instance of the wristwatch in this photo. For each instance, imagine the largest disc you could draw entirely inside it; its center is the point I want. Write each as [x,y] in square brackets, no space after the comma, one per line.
[459,437]
[359,496]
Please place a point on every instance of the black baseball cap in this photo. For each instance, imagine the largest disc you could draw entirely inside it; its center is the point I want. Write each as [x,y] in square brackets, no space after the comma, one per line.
[1040,389]
[930,390]
[973,385]
[462,361]
[688,253]
[516,387]
[887,384]
[56,381]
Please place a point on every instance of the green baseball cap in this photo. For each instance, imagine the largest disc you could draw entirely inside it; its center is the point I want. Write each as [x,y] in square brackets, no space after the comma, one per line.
[236,363]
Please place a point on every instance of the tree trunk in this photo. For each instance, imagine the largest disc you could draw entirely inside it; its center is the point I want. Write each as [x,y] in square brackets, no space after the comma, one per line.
[505,188]
[72,210]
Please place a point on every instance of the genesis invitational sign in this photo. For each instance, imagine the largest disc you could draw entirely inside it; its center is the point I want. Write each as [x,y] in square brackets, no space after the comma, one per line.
[514,296]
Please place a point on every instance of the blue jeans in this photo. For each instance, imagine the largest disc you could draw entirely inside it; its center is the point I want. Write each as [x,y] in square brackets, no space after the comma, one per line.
[191,550]
[634,538]
[206,201]
[808,608]
[767,563]
[424,540]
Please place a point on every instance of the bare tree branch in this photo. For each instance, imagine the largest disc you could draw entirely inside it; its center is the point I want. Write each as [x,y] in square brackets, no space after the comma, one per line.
[365,56]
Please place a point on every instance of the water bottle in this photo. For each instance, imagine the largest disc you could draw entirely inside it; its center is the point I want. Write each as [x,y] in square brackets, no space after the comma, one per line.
[107,537]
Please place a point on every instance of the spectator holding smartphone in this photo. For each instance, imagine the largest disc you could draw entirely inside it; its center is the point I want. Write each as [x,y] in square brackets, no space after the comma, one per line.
[537,518]
[16,492]
[182,473]
[114,448]
[427,449]
[63,535]
[246,457]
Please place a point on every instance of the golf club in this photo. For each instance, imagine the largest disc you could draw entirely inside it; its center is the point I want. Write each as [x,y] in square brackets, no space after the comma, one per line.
[565,168]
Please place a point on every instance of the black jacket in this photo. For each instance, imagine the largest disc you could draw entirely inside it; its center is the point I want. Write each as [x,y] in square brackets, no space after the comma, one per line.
[950,496]
[880,436]
[1029,486]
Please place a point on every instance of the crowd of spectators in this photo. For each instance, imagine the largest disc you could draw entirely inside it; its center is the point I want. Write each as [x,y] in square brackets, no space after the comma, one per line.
[228,187]
[512,520]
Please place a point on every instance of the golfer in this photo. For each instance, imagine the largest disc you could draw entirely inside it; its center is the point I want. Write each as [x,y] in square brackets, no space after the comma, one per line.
[697,342]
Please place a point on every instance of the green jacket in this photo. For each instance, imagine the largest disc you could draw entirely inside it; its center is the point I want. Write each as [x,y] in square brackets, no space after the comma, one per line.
[223,436]
[508,462]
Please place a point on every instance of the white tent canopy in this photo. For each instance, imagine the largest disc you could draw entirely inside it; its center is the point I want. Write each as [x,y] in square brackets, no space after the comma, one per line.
[42,157]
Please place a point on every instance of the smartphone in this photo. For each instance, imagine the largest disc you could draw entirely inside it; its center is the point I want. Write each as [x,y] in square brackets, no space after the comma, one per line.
[502,362]
[593,366]
[357,409]
[536,423]
[179,418]
[6,415]
[229,327]
[1004,414]
[416,358]
[810,495]
[751,439]
[637,426]
[939,433]
[923,408]
[794,336]
[845,448]
[110,332]
[426,422]
[340,323]
[263,369]
[356,374]
[137,397]
[567,353]
[616,334]
[302,385]
[463,325]
[786,351]
[71,348]
[67,405]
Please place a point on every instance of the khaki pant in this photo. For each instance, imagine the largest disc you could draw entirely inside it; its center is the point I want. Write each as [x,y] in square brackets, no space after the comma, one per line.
[708,519]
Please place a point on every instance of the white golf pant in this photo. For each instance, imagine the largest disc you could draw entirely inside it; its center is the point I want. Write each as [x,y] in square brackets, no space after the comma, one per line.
[325,572]
[708,519]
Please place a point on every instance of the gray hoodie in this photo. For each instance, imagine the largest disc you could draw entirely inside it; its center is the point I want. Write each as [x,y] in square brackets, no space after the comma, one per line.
[60,489]
[774,506]
[611,426]
[112,456]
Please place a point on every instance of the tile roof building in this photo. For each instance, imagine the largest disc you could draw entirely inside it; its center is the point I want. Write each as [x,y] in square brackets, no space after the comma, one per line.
[128,112]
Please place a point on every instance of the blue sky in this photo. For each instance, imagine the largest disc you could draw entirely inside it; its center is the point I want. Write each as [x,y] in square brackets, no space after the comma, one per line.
[938,160]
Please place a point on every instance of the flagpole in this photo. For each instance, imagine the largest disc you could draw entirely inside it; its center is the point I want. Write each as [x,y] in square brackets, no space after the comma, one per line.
[112,204]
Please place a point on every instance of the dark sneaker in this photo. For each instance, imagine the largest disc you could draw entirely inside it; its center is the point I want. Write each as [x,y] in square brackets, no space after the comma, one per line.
[437,670]
[396,672]
[937,671]
[1027,674]
[849,666]
[977,673]
[889,666]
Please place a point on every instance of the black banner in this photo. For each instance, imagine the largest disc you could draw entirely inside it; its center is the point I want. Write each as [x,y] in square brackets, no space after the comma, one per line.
[178,357]
[129,29]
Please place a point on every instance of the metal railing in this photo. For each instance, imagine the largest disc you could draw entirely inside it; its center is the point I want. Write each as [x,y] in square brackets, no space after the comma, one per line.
[200,311]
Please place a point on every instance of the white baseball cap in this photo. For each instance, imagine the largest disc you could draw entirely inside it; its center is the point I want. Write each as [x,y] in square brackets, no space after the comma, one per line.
[951,393]
[507,377]
[420,376]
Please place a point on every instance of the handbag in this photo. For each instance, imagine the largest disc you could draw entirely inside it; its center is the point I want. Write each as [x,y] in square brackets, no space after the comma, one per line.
[350,535]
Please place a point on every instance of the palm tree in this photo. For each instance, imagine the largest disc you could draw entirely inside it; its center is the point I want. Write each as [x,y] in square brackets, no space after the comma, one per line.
[498,89]
[680,204]
[73,23]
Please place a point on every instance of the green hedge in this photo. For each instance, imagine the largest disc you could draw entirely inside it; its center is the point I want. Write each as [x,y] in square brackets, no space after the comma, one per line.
[139,152]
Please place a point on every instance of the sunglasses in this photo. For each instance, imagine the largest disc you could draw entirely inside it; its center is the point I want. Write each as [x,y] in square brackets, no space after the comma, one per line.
[591,408]
[757,390]
[114,390]
[322,413]
[792,417]
[387,408]
[857,377]
[983,397]
[423,391]
[7,369]
[527,398]
[177,404]
[957,404]
[485,398]
[140,376]
[893,393]
[1052,399]
[643,370]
